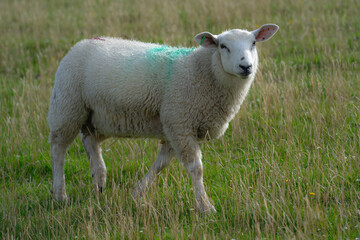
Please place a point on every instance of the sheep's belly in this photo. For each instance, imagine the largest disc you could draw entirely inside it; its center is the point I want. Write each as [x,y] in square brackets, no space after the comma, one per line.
[127,124]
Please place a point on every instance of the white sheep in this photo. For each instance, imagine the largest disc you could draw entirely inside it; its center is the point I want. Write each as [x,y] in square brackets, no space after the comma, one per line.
[108,87]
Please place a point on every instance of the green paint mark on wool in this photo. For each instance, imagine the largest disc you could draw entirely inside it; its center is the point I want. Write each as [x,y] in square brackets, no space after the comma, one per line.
[164,56]
[169,53]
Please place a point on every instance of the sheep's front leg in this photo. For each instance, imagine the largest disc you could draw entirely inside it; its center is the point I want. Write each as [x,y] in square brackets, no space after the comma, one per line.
[190,155]
[162,161]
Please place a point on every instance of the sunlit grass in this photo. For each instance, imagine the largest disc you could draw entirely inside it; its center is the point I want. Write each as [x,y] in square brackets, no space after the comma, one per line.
[288,166]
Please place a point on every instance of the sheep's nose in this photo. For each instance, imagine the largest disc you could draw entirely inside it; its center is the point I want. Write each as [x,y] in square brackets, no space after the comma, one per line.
[246,68]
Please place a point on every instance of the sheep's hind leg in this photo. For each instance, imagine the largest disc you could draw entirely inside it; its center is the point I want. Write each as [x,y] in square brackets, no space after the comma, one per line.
[162,161]
[58,151]
[92,147]
[59,141]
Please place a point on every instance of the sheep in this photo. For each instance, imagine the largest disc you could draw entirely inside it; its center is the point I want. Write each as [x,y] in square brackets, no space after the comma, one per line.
[108,87]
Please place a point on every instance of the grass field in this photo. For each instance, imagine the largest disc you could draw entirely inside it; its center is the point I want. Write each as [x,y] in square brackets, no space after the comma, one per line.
[287,167]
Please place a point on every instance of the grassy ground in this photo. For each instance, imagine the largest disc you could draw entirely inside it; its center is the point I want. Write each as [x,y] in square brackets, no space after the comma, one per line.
[288,166]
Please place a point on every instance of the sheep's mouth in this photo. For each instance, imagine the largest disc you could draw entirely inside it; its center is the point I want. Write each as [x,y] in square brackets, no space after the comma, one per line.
[244,74]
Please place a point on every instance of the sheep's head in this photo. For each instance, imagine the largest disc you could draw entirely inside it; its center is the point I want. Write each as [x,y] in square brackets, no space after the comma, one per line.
[237,48]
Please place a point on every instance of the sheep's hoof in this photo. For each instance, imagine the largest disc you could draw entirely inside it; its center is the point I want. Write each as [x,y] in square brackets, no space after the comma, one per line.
[59,195]
[205,206]
[99,180]
[209,209]
[138,191]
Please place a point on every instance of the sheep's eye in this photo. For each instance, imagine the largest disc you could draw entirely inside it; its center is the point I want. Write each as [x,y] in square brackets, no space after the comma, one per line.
[254,43]
[222,46]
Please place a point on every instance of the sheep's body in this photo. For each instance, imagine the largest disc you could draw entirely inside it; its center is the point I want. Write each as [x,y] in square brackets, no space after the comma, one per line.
[118,88]
[125,85]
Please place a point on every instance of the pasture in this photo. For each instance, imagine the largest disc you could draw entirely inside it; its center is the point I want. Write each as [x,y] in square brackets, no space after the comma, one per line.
[287,167]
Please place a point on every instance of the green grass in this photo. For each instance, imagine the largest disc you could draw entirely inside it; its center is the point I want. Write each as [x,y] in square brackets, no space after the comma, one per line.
[287,167]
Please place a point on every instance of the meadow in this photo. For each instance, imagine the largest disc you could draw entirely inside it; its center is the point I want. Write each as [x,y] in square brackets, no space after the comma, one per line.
[288,167]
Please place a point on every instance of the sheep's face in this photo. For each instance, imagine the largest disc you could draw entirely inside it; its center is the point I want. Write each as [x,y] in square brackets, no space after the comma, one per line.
[237,48]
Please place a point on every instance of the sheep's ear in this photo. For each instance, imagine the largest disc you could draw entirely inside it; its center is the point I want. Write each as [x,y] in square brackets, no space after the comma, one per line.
[265,32]
[206,39]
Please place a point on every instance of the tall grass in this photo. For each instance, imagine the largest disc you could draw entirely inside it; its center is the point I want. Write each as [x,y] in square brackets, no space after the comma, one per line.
[288,166]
